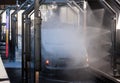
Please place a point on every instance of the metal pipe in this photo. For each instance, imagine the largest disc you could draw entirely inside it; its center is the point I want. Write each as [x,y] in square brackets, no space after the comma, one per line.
[19,8]
[85,15]
[114,41]
[109,7]
[31,13]
[37,40]
[26,44]
[13,37]
[0,26]
[1,23]
[73,2]
[2,12]
[71,8]
[14,27]
[15,12]
[78,6]
[28,50]
[23,51]
[118,2]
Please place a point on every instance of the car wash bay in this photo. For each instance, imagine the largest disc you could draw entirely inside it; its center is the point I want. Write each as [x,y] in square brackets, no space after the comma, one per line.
[60,41]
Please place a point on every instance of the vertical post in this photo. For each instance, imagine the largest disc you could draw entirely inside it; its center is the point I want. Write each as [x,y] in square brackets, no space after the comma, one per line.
[114,47]
[23,50]
[17,7]
[16,32]
[37,36]
[84,7]
[13,37]
[27,69]
[0,25]
[85,20]
[27,49]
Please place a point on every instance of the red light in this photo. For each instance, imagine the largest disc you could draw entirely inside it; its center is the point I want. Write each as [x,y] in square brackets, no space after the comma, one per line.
[6,50]
[47,62]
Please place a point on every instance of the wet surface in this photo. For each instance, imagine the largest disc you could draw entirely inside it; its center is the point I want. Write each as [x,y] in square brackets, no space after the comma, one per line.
[78,76]
[14,75]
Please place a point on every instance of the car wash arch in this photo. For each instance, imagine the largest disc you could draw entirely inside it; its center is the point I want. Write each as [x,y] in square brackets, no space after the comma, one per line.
[31,55]
[102,5]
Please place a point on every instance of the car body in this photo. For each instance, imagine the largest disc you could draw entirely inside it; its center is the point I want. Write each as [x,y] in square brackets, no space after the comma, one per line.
[63,49]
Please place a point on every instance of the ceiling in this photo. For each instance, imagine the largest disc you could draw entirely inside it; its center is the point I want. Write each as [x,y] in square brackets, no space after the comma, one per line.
[10,2]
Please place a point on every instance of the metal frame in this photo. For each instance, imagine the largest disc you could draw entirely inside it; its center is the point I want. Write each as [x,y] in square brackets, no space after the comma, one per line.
[118,1]
[37,40]
[14,26]
[1,22]
[114,59]
[26,45]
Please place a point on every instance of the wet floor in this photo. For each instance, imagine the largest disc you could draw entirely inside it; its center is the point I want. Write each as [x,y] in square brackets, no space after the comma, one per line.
[78,76]
[72,77]
[14,75]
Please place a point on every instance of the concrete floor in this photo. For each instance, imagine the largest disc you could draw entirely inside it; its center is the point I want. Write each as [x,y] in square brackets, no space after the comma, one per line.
[14,75]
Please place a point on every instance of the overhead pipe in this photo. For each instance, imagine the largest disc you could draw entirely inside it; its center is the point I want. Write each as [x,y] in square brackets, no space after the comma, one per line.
[82,10]
[2,12]
[73,2]
[15,19]
[42,1]
[31,13]
[118,1]
[114,33]
[72,8]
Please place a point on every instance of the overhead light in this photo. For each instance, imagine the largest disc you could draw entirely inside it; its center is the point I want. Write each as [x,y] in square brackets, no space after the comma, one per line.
[118,23]
[28,5]
[85,5]
[17,4]
[54,4]
[47,62]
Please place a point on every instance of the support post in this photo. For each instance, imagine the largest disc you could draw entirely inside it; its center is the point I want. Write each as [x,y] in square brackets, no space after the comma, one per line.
[37,40]
[14,27]
[27,70]
[1,24]
[13,36]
